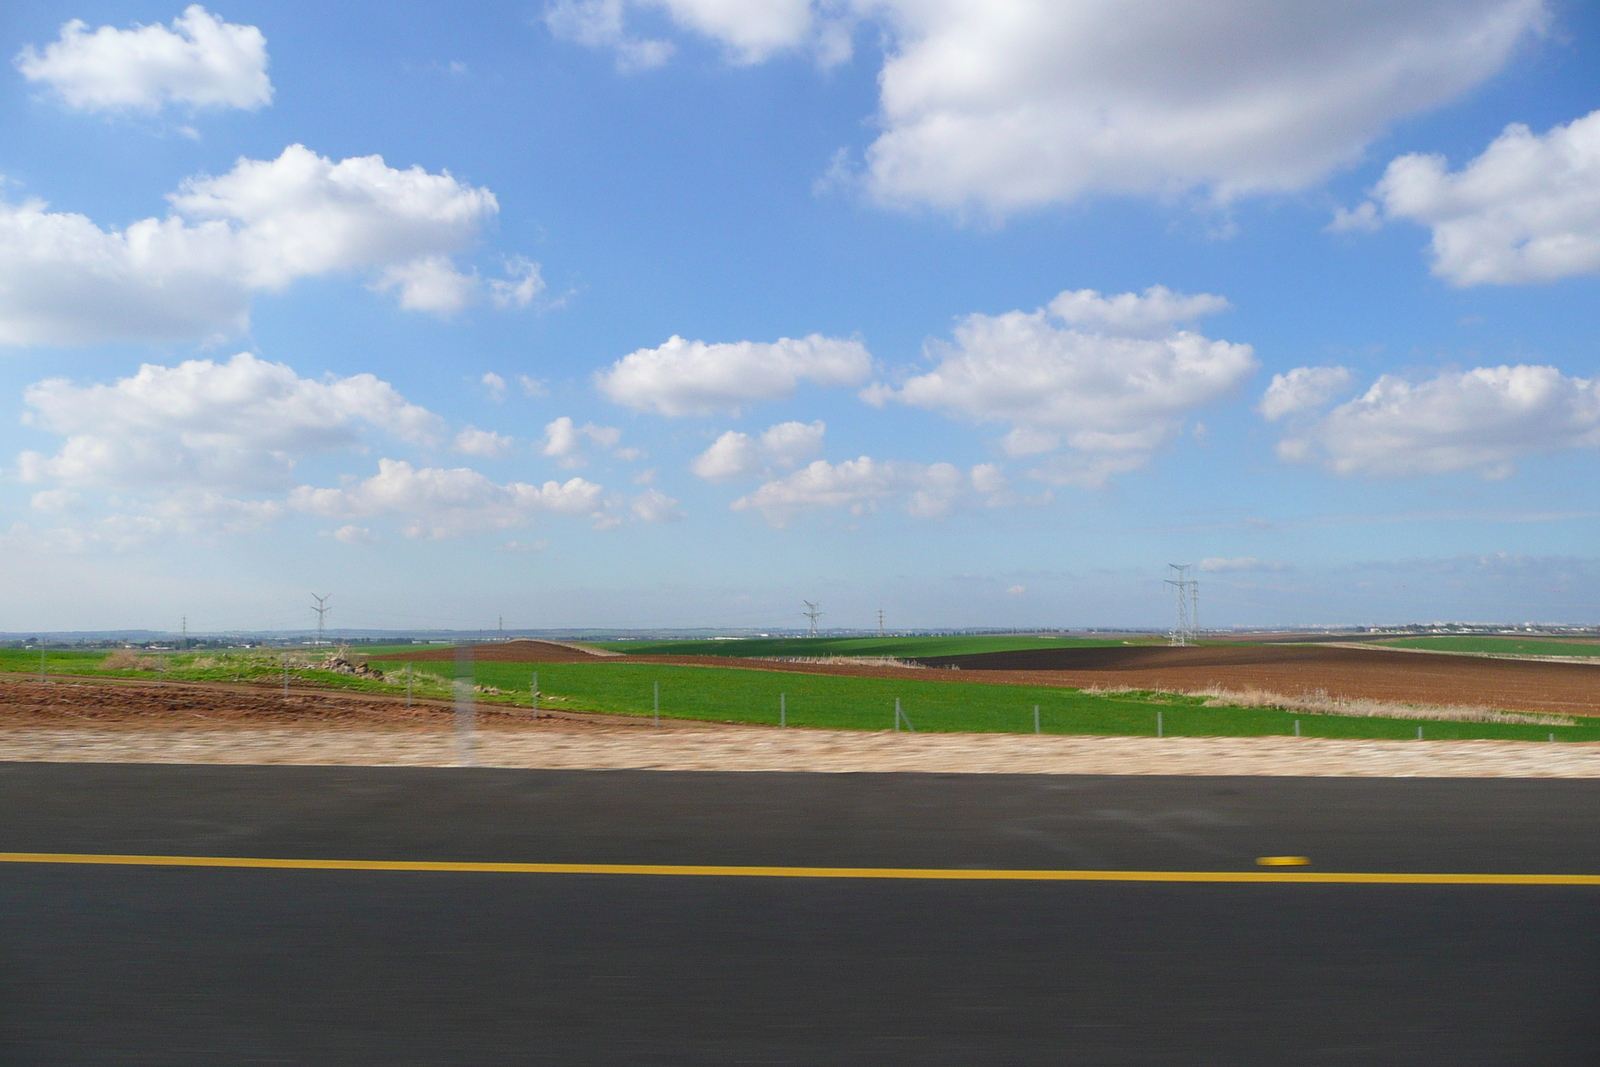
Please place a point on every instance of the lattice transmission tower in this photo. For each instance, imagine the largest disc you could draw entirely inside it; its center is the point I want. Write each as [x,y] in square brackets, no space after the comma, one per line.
[1188,595]
[322,609]
[813,614]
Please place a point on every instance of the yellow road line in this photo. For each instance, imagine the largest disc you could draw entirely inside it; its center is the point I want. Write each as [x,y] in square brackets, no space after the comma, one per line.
[719,871]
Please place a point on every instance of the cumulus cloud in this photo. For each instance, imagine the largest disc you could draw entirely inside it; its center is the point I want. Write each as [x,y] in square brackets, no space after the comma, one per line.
[234,426]
[486,443]
[655,506]
[737,454]
[1480,420]
[495,384]
[1045,101]
[355,535]
[1526,210]
[1113,394]
[1303,389]
[437,503]
[257,228]
[682,378]
[201,61]
[862,485]
[748,32]
[564,440]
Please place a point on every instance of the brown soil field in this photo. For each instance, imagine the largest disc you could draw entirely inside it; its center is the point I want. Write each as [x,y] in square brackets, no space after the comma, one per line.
[1399,677]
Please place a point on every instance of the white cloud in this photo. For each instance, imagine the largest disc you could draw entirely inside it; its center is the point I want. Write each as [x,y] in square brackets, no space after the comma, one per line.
[1526,210]
[1001,108]
[655,506]
[55,501]
[861,485]
[257,228]
[736,454]
[1218,564]
[1112,395]
[1302,389]
[749,32]
[1134,314]
[694,378]
[238,425]
[495,384]
[564,440]
[521,284]
[1017,590]
[486,443]
[355,535]
[202,62]
[437,503]
[1479,420]
[430,283]
[532,387]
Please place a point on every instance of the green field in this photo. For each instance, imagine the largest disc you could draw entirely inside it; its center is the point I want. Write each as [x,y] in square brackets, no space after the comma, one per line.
[1507,646]
[733,694]
[743,695]
[896,647]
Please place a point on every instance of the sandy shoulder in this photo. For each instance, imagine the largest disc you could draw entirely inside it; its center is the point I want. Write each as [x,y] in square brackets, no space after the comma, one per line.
[738,748]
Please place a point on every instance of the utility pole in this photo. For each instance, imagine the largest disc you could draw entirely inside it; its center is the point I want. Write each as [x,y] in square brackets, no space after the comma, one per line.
[502,627]
[1187,590]
[186,631]
[322,609]
[813,614]
[880,622]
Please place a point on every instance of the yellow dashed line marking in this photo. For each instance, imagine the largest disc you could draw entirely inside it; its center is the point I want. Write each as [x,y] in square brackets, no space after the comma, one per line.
[720,871]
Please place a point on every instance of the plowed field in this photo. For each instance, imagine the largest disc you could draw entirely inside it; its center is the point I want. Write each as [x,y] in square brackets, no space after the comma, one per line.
[1400,677]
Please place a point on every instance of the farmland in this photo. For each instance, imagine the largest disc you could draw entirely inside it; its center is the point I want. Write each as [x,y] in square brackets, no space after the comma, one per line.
[1498,646]
[1080,687]
[897,647]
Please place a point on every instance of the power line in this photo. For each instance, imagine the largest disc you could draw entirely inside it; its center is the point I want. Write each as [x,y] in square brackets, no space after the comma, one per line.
[1188,593]
[322,609]
[813,614]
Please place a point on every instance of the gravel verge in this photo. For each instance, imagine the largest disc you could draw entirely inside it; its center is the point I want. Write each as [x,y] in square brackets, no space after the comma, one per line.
[558,744]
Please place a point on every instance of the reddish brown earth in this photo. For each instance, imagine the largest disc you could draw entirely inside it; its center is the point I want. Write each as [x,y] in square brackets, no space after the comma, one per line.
[1295,670]
[189,704]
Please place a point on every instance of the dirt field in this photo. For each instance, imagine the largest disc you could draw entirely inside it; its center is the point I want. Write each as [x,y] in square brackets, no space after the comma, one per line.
[1400,677]
[152,722]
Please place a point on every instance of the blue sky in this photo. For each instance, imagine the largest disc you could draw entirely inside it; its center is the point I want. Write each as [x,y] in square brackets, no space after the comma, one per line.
[673,312]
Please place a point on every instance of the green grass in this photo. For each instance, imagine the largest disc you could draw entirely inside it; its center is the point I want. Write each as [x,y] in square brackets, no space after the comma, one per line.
[1510,646]
[900,647]
[751,696]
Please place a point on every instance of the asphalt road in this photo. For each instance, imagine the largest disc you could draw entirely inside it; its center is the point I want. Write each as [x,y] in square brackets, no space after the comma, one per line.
[179,966]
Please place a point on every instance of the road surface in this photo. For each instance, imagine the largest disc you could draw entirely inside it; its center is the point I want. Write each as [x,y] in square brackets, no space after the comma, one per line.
[141,964]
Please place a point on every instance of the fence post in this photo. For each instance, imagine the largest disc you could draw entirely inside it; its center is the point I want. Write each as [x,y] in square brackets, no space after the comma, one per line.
[783,709]
[286,674]
[1036,719]
[41,667]
[1419,733]
[534,690]
[658,703]
[466,706]
[1297,727]
[408,685]
[896,714]
[1159,728]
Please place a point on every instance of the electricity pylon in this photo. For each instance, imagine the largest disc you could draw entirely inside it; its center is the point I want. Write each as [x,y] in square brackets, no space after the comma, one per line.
[1188,594]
